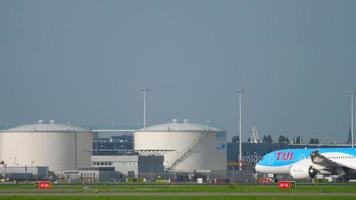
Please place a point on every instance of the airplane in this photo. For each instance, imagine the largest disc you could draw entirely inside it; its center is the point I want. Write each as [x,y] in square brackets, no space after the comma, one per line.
[307,163]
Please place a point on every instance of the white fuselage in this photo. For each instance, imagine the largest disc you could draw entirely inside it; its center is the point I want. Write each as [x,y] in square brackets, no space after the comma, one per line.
[338,158]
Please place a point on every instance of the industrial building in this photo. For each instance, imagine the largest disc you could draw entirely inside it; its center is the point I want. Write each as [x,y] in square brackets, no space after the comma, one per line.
[89,175]
[187,146]
[75,153]
[58,146]
[183,146]
[130,165]
[117,151]
[115,145]
[23,173]
[127,165]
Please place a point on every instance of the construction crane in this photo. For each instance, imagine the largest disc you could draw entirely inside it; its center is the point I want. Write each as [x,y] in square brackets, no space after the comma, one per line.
[255,138]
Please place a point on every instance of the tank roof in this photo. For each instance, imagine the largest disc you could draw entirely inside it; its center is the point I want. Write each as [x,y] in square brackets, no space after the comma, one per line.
[46,127]
[177,126]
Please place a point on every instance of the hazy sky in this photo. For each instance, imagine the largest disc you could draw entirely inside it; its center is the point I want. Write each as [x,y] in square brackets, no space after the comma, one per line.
[84,62]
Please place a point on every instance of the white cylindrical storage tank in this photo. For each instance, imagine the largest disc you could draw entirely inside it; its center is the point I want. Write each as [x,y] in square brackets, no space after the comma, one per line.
[189,146]
[58,146]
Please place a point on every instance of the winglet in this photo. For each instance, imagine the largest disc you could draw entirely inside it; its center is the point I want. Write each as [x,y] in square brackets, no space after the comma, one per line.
[315,155]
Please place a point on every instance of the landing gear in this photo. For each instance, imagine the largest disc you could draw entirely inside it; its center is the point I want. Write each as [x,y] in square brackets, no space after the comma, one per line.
[342,179]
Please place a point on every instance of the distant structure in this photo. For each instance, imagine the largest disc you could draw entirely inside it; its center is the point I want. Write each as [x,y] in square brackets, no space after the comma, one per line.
[117,152]
[297,140]
[58,146]
[254,138]
[349,137]
[115,145]
[192,146]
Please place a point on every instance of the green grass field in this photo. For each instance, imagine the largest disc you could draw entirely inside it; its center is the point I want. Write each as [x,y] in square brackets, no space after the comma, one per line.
[27,192]
[177,198]
[342,188]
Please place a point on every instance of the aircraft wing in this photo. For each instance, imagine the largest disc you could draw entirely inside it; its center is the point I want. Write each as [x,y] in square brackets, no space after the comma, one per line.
[321,160]
[328,164]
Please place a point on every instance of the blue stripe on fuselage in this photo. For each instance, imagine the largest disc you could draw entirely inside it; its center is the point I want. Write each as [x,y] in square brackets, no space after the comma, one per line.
[289,156]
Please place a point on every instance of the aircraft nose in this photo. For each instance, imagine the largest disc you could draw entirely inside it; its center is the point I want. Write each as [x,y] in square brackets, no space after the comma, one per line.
[258,167]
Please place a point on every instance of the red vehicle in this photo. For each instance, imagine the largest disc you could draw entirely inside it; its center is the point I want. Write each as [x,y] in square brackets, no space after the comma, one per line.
[43,185]
[286,184]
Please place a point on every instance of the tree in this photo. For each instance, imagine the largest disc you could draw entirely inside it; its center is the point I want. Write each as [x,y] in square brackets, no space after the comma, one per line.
[264,139]
[267,139]
[235,139]
[283,140]
[314,141]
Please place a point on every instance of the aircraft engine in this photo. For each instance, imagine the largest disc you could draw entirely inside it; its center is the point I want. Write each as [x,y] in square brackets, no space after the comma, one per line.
[301,171]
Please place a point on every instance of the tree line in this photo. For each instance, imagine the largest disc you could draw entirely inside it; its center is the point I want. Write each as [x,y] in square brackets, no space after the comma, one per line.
[267,139]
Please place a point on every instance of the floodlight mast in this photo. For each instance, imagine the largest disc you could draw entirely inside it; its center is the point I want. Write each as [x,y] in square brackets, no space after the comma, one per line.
[144,90]
[239,92]
[352,94]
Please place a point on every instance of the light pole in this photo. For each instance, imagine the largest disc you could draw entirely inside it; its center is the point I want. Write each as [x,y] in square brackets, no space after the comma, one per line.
[239,92]
[144,90]
[352,93]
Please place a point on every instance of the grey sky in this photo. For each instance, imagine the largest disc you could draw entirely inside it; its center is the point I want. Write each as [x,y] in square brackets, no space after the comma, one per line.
[84,61]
